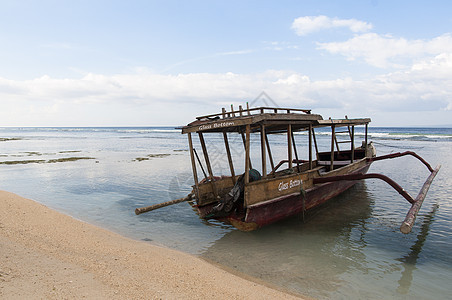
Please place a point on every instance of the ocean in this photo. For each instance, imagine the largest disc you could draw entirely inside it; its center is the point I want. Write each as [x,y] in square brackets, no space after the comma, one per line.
[350,248]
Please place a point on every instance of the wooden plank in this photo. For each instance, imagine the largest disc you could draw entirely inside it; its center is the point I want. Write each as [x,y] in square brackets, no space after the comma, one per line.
[315,142]
[365,137]
[209,167]
[217,125]
[263,190]
[260,109]
[234,123]
[300,110]
[275,109]
[408,223]
[310,147]
[269,152]
[289,145]
[206,192]
[244,146]
[336,163]
[228,152]
[352,146]
[247,155]
[299,118]
[333,138]
[336,142]
[263,152]
[193,164]
[141,210]
[344,170]
[296,152]
[344,122]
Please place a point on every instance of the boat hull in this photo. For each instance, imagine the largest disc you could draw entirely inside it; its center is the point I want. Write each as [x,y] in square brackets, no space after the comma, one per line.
[283,207]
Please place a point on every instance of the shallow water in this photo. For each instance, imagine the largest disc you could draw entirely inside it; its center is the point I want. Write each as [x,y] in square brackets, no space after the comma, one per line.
[350,248]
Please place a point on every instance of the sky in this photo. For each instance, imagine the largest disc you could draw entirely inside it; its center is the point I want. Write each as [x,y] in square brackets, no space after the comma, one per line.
[150,63]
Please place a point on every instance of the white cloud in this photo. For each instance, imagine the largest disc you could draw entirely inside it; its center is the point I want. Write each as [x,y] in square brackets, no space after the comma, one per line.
[387,51]
[309,24]
[145,98]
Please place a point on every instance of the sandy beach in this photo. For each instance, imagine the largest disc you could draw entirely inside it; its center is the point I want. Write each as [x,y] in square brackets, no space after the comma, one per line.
[48,255]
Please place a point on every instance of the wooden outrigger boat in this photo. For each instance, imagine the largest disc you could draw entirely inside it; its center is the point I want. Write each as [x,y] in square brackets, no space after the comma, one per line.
[257,198]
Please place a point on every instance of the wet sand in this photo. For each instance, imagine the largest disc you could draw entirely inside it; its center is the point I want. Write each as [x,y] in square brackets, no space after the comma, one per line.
[48,255]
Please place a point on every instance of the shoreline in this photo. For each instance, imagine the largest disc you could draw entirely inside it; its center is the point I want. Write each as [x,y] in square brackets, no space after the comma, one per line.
[46,254]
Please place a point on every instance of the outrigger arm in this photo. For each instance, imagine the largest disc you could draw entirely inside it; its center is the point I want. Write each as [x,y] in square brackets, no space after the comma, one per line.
[416,204]
[399,154]
[145,209]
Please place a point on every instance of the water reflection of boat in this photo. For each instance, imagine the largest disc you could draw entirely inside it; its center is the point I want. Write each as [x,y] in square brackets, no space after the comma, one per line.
[304,257]
[292,186]
[411,258]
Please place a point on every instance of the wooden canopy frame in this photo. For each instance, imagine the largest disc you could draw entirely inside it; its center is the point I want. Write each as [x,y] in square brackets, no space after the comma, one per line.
[275,192]
[265,120]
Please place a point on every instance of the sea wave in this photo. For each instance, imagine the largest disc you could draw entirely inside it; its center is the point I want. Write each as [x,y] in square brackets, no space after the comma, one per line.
[409,136]
[141,131]
[423,134]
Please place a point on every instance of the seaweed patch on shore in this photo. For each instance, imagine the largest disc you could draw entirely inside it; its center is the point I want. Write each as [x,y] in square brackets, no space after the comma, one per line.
[9,139]
[27,153]
[70,151]
[50,161]
[149,156]
[42,161]
[33,153]
[23,162]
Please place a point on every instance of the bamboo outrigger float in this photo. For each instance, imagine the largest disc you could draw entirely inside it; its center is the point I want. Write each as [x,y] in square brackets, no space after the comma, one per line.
[254,199]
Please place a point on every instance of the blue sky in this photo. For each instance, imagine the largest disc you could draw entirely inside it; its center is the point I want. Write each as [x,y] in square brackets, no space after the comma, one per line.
[143,63]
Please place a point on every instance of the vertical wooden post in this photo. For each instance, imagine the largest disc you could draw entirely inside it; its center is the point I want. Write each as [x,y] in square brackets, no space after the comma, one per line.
[232,111]
[240,110]
[365,136]
[289,145]
[223,112]
[209,167]
[244,146]
[315,143]
[193,164]
[337,144]
[228,152]
[263,154]
[310,146]
[248,108]
[333,138]
[352,141]
[296,152]
[269,152]
[247,155]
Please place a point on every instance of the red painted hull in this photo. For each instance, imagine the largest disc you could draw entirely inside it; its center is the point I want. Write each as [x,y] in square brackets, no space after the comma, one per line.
[281,208]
